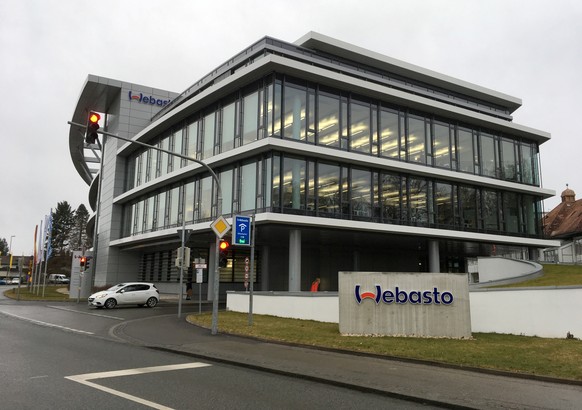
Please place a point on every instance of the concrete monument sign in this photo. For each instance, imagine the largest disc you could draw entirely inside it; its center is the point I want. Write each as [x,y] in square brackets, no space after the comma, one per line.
[404,304]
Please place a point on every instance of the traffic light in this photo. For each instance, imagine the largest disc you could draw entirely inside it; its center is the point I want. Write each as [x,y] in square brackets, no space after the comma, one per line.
[223,253]
[88,262]
[83,261]
[92,127]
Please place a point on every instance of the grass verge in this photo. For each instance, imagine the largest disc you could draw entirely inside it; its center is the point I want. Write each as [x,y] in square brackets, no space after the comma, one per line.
[51,293]
[560,358]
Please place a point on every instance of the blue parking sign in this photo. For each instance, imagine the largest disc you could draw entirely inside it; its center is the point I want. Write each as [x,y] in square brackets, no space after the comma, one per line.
[242,230]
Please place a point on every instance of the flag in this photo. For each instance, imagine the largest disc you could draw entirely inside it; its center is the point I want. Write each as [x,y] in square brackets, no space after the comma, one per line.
[49,248]
[34,247]
[40,240]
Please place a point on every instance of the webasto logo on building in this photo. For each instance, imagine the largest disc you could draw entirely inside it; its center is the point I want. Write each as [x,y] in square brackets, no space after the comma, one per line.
[145,99]
[398,296]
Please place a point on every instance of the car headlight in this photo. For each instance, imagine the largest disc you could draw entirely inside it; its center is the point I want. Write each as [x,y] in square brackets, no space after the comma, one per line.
[100,296]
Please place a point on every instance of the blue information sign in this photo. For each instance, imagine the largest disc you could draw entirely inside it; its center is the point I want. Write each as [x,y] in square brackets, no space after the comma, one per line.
[242,230]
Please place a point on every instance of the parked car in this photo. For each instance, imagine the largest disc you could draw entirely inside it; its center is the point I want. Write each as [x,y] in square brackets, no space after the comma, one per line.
[130,293]
[58,279]
[15,281]
[3,281]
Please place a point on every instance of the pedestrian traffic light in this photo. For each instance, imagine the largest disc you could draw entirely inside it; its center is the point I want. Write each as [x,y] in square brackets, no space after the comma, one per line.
[223,253]
[83,261]
[92,127]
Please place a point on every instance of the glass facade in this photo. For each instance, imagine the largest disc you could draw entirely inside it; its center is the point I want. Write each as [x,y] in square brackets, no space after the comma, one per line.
[282,107]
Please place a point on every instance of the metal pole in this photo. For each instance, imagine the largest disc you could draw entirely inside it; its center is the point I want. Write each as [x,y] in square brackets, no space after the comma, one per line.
[252,271]
[218,213]
[180,295]
[9,257]
[214,329]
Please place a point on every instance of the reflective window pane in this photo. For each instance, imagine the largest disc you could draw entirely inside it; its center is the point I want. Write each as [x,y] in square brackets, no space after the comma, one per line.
[441,146]
[228,127]
[328,189]
[250,117]
[328,121]
[294,180]
[360,128]
[248,188]
[465,153]
[294,117]
[361,193]
[416,140]
[389,138]
[208,137]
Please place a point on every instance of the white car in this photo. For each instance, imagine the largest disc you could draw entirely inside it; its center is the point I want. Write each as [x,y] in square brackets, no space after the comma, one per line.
[130,293]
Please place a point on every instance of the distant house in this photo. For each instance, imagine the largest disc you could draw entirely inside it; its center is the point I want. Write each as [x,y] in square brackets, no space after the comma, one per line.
[564,223]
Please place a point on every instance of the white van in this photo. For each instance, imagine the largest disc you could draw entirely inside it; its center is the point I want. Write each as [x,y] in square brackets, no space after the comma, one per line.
[57,278]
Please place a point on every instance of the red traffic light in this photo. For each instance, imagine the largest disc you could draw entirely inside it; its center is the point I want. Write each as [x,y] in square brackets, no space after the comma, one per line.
[83,261]
[92,127]
[94,118]
[224,245]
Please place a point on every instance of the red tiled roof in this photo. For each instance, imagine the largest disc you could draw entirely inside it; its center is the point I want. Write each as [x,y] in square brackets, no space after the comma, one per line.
[564,221]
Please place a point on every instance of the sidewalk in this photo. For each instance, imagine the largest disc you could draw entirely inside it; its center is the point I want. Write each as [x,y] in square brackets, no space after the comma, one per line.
[438,385]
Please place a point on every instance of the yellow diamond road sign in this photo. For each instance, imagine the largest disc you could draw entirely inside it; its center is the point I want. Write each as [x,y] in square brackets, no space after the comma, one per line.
[220,227]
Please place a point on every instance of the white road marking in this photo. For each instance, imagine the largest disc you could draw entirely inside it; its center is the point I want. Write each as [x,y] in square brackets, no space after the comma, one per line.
[84,379]
[46,324]
[86,313]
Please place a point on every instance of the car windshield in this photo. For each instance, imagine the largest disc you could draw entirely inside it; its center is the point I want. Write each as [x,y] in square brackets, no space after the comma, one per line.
[116,287]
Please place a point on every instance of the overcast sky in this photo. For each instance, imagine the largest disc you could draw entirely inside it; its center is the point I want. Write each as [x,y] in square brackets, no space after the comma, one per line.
[528,49]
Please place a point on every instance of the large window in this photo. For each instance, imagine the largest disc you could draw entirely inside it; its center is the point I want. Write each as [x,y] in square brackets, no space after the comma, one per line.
[248,187]
[468,205]
[417,189]
[389,134]
[208,135]
[295,115]
[360,135]
[328,189]
[488,155]
[391,195]
[509,162]
[228,127]
[294,180]
[361,193]
[465,150]
[328,121]
[416,142]
[441,151]
[250,117]
[444,204]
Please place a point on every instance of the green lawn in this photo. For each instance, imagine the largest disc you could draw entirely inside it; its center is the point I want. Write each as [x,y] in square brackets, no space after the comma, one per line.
[554,275]
[561,358]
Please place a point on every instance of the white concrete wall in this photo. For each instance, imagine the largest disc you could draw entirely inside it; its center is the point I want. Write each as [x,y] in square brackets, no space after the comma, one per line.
[543,312]
[320,306]
[492,268]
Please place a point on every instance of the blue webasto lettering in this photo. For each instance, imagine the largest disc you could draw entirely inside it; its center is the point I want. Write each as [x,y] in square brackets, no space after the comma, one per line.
[148,99]
[401,297]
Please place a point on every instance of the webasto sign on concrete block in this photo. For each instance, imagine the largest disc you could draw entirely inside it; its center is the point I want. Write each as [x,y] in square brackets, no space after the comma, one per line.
[404,304]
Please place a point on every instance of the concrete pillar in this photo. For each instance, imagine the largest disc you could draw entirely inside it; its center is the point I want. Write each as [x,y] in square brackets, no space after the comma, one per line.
[434,261]
[294,260]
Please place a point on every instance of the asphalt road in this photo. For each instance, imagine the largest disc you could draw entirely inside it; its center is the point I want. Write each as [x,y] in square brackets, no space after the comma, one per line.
[65,356]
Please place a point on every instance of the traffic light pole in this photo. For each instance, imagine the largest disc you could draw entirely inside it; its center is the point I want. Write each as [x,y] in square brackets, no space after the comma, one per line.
[216,289]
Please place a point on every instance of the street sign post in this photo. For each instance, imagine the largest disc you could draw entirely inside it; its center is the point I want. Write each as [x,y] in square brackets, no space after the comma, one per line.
[242,231]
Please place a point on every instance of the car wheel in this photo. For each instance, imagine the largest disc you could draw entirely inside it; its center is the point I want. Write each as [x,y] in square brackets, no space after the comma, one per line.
[110,303]
[152,302]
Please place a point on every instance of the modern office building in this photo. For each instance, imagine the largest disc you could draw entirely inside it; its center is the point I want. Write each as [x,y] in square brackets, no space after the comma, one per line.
[348,159]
